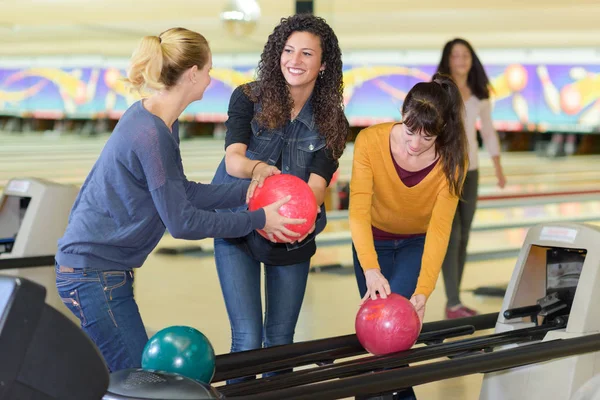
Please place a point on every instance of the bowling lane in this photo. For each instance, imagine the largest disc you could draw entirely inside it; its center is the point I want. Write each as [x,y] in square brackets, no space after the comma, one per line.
[329,308]
[201,168]
[330,297]
[497,231]
[75,155]
[493,219]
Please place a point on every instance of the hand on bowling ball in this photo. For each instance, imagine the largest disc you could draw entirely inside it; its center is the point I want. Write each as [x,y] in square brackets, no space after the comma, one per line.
[376,283]
[311,229]
[419,300]
[261,172]
[275,225]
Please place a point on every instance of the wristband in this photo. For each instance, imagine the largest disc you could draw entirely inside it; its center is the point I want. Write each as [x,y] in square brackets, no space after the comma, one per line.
[256,165]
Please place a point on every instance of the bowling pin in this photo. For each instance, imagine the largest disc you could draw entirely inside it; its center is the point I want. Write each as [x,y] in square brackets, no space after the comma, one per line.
[90,90]
[551,94]
[521,108]
[68,103]
[110,101]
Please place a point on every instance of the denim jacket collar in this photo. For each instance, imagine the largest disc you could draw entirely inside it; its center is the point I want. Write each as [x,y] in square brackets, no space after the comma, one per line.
[306,115]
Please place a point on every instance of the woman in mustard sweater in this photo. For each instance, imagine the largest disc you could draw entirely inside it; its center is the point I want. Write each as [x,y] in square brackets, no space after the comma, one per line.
[406,181]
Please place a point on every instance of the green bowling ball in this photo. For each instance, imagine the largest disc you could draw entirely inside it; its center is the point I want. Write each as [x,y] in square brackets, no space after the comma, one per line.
[180,350]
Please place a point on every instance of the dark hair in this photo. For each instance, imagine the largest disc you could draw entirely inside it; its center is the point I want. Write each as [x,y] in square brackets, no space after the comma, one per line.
[436,109]
[327,98]
[477,80]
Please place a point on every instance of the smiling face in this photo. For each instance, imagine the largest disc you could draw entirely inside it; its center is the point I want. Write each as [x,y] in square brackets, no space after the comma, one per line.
[301,60]
[460,60]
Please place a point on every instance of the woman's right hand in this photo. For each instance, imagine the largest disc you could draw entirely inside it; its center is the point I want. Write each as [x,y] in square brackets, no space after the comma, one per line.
[376,283]
[275,225]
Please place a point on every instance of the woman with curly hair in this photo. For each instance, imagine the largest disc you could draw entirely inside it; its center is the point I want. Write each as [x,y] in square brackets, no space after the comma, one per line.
[290,120]
[460,61]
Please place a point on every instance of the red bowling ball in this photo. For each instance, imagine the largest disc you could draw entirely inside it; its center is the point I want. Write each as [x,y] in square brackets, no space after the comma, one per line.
[385,326]
[303,203]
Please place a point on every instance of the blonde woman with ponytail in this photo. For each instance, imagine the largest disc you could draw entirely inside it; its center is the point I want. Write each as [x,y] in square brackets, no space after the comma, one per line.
[136,190]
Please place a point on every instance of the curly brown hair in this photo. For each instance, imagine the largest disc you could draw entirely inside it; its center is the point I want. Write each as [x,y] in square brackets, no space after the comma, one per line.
[327,98]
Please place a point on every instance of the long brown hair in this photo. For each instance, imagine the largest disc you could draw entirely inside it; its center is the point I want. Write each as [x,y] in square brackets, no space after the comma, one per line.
[327,98]
[436,109]
[477,79]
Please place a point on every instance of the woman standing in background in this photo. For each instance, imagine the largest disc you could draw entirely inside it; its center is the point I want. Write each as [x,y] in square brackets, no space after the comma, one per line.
[462,64]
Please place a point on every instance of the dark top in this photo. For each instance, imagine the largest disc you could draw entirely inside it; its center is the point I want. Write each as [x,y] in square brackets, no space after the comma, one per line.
[239,130]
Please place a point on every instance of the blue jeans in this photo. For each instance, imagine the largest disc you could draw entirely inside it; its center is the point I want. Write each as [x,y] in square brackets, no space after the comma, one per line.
[103,301]
[400,262]
[239,275]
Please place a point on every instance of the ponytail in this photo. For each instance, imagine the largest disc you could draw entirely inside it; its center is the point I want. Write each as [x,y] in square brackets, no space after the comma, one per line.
[159,61]
[437,109]
[146,65]
[453,147]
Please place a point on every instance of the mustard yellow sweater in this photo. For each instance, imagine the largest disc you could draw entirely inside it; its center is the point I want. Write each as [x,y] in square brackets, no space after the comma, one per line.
[379,198]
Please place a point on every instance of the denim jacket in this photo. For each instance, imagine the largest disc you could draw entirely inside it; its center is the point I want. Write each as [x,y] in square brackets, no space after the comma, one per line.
[297,143]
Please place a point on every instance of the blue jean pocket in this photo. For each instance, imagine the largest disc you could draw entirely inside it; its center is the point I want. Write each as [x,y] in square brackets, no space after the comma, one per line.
[112,280]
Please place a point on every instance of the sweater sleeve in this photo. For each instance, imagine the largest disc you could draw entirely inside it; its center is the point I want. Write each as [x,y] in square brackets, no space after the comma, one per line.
[214,197]
[184,221]
[488,133]
[436,242]
[359,213]
[160,160]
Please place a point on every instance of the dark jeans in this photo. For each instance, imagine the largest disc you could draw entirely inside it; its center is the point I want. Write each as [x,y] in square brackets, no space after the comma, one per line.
[456,255]
[400,262]
[239,275]
[103,301]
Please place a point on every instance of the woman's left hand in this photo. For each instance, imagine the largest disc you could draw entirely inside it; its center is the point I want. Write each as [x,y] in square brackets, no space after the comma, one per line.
[419,300]
[260,173]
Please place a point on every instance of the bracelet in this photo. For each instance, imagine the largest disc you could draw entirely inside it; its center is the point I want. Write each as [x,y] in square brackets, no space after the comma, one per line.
[256,165]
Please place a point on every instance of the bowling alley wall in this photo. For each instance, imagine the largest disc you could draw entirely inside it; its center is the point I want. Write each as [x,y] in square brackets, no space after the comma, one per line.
[533,90]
